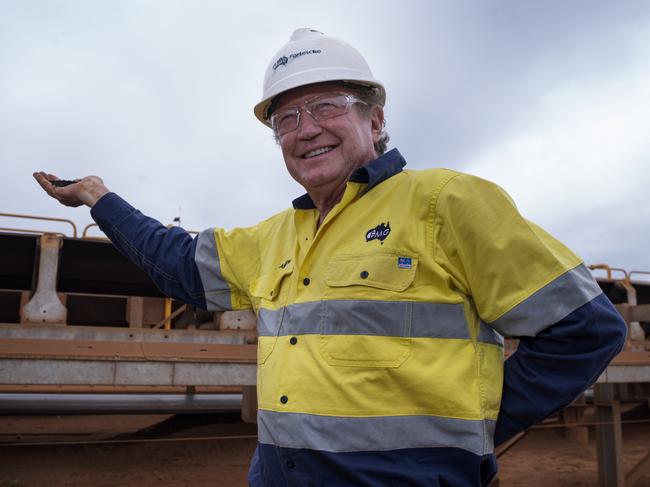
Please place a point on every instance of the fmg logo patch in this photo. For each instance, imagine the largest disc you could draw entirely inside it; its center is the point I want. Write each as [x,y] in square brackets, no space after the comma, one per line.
[380,232]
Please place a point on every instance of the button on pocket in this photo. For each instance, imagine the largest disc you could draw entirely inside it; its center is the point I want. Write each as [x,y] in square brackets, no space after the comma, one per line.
[378,334]
[270,290]
[380,271]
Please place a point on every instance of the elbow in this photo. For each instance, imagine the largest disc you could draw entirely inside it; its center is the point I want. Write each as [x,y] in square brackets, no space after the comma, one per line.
[612,325]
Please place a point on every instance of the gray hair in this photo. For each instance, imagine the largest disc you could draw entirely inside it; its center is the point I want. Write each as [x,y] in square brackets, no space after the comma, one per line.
[370,96]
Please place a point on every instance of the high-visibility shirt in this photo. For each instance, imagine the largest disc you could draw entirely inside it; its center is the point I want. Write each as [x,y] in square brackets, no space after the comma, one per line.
[380,331]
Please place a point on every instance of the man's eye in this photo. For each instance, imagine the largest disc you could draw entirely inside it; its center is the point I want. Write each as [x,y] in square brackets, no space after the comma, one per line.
[285,120]
[324,108]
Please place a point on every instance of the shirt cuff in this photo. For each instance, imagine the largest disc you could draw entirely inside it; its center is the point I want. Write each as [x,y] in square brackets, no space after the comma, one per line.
[110,210]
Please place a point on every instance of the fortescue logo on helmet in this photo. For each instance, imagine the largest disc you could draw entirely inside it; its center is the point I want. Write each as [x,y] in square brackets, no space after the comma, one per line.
[312,57]
[283,60]
[280,62]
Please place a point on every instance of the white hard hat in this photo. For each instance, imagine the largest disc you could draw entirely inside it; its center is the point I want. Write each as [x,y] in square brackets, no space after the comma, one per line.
[313,57]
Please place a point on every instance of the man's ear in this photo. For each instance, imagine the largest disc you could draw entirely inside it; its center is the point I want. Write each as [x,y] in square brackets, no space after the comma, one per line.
[376,122]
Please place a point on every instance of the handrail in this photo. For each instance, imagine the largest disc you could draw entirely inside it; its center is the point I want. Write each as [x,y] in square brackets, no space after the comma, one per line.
[84,233]
[86,228]
[27,230]
[638,272]
[45,218]
[609,270]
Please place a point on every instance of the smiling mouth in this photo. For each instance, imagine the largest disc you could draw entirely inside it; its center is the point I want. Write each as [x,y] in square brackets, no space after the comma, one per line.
[318,152]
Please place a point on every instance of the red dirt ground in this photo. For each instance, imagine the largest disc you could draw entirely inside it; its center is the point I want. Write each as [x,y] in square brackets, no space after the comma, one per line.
[542,458]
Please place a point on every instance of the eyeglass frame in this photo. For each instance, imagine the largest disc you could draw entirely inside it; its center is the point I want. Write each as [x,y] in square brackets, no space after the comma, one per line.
[350,100]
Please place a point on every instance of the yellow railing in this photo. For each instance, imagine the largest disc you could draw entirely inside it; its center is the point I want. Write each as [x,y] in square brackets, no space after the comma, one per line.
[609,270]
[42,218]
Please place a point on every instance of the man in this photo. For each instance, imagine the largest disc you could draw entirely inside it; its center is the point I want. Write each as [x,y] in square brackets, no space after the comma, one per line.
[381,296]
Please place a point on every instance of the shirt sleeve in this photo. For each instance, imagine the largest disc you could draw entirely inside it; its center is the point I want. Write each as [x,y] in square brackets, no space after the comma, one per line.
[548,371]
[186,268]
[526,284]
[520,278]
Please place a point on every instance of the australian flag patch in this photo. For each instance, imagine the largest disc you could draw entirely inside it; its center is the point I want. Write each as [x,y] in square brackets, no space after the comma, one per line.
[404,262]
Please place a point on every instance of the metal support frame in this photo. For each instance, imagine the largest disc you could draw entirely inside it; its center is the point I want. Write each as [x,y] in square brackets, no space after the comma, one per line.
[45,305]
[118,363]
[571,417]
[609,436]
[636,332]
[25,361]
[638,471]
[249,404]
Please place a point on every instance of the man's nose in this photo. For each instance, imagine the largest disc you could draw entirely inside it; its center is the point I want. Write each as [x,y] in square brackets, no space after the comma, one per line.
[308,128]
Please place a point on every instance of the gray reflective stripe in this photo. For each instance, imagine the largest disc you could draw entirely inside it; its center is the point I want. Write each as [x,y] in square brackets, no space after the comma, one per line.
[550,304]
[487,334]
[217,292]
[374,318]
[346,434]
[268,322]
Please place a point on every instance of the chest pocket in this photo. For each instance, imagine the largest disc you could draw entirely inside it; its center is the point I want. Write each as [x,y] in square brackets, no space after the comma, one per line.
[367,319]
[269,292]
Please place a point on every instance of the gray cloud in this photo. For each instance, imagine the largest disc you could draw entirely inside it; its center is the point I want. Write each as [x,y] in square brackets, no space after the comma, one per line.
[156,97]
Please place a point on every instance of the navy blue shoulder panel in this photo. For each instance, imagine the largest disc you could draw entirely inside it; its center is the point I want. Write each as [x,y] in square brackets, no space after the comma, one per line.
[165,254]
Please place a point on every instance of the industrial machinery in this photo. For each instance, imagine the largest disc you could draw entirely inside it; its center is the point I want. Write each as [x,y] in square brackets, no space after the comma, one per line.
[76,317]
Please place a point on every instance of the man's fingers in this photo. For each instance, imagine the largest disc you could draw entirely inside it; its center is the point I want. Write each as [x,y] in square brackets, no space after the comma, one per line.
[76,192]
[43,182]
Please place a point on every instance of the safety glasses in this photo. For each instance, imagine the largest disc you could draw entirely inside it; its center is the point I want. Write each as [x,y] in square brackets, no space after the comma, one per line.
[321,107]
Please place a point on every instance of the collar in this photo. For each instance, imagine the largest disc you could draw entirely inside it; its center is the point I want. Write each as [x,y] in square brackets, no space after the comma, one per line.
[373,173]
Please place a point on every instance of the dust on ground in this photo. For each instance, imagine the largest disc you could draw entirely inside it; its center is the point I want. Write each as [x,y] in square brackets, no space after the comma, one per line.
[218,453]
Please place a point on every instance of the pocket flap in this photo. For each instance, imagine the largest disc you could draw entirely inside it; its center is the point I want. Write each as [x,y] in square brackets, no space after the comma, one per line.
[393,271]
[268,285]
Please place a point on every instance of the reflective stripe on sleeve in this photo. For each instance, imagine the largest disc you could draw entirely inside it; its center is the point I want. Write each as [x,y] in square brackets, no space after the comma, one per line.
[217,291]
[348,434]
[550,304]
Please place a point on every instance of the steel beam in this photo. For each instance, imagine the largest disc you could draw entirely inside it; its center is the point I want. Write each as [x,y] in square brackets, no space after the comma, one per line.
[124,373]
[117,403]
[109,334]
[627,367]
[609,437]
[91,362]
[640,470]
[45,306]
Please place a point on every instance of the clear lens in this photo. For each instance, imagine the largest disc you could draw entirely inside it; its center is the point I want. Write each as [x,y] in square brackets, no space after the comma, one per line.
[285,121]
[321,108]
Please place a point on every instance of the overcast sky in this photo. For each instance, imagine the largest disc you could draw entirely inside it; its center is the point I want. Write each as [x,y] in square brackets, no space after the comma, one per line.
[551,100]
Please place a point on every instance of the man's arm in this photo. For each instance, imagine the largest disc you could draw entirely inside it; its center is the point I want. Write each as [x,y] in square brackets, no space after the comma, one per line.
[181,267]
[526,284]
[167,255]
[548,371]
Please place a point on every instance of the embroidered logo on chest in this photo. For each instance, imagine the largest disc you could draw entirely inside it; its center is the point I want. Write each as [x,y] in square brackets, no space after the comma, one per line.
[380,232]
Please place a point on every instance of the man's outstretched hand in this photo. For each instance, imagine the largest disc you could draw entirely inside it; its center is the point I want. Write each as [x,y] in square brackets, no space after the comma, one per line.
[85,191]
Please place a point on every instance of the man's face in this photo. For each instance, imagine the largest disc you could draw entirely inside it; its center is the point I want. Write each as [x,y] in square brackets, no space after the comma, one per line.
[321,155]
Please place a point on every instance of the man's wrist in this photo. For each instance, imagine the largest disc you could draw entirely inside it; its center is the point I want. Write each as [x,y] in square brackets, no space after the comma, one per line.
[94,193]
